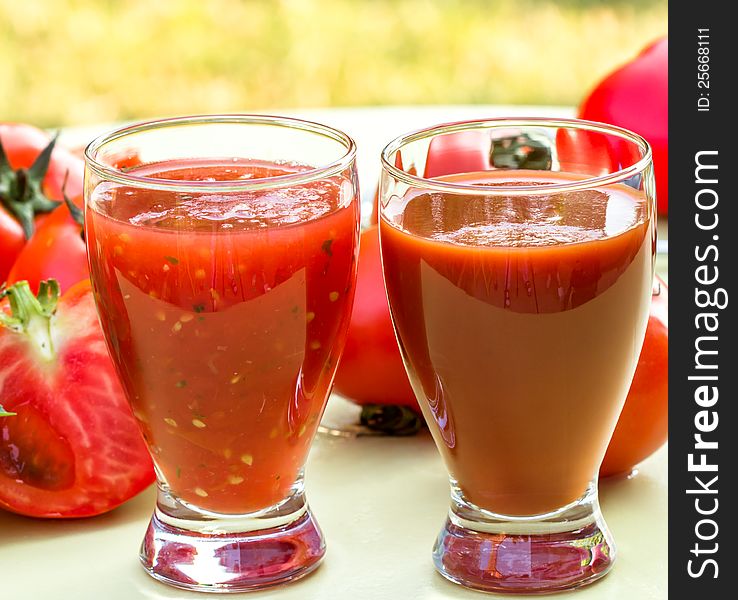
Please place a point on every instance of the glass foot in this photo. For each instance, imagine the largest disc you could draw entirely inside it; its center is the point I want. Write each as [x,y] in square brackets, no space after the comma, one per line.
[233,554]
[527,555]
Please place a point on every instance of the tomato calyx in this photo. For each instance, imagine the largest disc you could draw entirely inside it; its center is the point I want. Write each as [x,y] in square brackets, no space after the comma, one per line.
[21,190]
[391,419]
[77,214]
[31,315]
[6,413]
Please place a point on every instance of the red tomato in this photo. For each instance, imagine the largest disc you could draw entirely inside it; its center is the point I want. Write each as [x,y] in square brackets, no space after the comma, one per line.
[371,369]
[459,152]
[72,448]
[30,184]
[12,241]
[635,96]
[584,152]
[643,425]
[57,250]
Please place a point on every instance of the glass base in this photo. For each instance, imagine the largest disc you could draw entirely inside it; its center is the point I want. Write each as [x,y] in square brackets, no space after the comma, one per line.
[557,551]
[205,552]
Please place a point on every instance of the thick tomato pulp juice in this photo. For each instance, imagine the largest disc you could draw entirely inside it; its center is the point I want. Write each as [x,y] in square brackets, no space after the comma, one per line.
[520,319]
[225,315]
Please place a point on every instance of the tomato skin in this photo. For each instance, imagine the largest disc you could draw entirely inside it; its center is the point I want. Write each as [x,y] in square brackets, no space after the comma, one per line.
[635,96]
[459,152]
[585,152]
[22,144]
[12,241]
[371,369]
[56,250]
[71,408]
[643,424]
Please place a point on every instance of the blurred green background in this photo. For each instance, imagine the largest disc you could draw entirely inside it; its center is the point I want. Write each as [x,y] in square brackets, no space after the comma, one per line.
[69,62]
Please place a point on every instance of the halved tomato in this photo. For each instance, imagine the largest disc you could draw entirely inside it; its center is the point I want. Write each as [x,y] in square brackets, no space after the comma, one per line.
[69,445]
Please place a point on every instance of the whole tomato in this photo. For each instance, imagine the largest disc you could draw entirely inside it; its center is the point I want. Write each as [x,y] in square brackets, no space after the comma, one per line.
[585,152]
[643,425]
[371,370]
[69,444]
[635,97]
[33,170]
[56,250]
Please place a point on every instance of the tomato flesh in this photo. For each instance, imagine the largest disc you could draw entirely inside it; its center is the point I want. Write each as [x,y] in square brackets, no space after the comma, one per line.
[73,448]
[31,451]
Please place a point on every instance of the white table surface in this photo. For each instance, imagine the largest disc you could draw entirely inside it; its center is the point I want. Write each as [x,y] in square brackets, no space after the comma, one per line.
[379,501]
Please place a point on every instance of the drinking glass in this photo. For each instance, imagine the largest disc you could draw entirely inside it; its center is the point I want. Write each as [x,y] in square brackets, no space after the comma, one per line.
[519,285]
[222,253]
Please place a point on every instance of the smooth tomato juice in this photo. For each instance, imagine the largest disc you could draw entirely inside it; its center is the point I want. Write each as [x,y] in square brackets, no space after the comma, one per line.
[520,319]
[225,314]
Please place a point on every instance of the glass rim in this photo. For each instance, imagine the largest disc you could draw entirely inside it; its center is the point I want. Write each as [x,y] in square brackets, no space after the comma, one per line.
[513,122]
[309,175]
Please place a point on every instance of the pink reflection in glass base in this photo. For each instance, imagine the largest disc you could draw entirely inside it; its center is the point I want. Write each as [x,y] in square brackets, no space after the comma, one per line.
[535,555]
[232,562]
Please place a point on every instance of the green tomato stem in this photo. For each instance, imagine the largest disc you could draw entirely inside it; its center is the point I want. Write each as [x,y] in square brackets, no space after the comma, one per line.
[31,315]
[5,413]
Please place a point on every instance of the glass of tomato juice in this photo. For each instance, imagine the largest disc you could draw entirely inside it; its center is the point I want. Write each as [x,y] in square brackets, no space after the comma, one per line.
[519,291]
[222,253]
